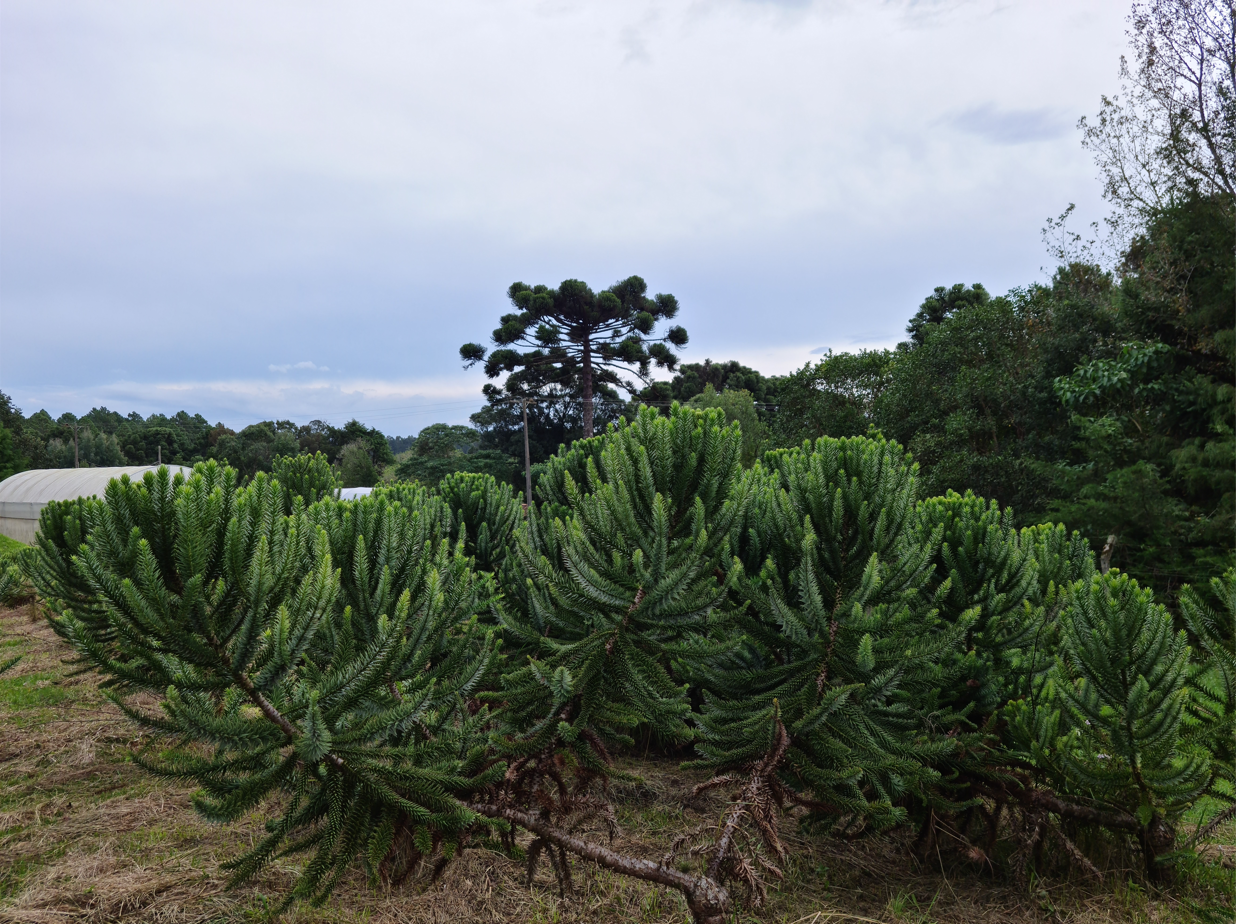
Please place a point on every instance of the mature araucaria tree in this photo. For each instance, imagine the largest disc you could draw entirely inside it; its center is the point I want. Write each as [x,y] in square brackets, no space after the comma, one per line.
[575,338]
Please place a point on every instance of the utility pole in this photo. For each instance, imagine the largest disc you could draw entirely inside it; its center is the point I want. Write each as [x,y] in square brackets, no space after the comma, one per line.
[75,425]
[528,474]
[159,454]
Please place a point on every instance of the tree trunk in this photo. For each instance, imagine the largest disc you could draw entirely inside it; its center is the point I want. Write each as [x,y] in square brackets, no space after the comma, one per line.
[1107,553]
[587,364]
[528,473]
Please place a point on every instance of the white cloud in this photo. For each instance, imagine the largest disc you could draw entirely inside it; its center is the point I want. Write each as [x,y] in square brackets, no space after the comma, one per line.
[304,365]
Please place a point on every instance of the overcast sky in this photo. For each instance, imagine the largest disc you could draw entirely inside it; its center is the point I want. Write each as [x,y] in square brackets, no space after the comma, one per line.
[302,209]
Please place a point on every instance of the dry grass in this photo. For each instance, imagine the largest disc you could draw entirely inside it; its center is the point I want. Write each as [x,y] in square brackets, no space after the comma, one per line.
[86,836]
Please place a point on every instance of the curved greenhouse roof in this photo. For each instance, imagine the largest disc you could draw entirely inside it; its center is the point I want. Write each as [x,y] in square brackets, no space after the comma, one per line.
[24,495]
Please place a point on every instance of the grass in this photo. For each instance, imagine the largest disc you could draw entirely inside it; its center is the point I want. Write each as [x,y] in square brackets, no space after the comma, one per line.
[10,547]
[85,837]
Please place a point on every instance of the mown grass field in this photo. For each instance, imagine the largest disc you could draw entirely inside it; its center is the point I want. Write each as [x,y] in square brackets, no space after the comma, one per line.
[87,836]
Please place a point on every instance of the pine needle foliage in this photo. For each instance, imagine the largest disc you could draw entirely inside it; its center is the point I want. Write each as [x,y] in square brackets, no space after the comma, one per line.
[227,611]
[484,513]
[1112,724]
[63,527]
[643,561]
[983,571]
[309,477]
[1210,618]
[843,649]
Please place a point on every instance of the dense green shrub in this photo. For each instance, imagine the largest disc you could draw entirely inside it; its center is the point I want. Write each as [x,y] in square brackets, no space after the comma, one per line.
[820,636]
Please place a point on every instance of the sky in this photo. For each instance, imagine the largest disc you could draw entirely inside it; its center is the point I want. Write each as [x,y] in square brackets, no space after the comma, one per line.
[301,209]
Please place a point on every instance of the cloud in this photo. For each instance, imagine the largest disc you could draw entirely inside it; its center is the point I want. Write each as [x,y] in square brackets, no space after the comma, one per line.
[1012,126]
[305,365]
[392,405]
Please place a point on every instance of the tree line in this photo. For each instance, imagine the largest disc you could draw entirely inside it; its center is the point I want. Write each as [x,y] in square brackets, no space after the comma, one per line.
[103,438]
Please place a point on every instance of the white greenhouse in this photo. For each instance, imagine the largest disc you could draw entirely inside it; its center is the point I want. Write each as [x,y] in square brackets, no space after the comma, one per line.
[24,495]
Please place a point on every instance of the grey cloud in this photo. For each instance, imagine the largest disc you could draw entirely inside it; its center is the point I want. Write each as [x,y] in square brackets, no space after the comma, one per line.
[188,188]
[1012,126]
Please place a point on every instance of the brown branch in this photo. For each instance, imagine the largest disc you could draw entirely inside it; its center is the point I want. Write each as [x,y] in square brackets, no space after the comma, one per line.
[264,705]
[1047,801]
[709,902]
[1076,854]
[755,792]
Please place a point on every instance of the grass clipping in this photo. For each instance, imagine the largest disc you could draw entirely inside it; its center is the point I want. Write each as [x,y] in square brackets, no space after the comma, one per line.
[85,836]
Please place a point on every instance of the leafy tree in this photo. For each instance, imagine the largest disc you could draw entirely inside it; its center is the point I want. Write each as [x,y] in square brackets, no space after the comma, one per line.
[94,450]
[1169,131]
[441,449]
[375,443]
[10,462]
[356,467]
[737,405]
[1152,411]
[690,379]
[574,338]
[836,397]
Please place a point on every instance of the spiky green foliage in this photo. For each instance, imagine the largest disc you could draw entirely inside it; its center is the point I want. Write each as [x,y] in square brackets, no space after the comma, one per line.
[10,587]
[228,612]
[485,513]
[63,526]
[11,582]
[1116,720]
[983,571]
[1210,618]
[842,648]
[642,562]
[311,478]
[385,549]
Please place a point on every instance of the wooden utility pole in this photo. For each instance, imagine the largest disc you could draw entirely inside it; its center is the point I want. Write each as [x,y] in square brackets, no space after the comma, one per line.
[528,474]
[75,460]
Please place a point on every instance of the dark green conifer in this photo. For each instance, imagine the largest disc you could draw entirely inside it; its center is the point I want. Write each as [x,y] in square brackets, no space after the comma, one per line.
[844,654]
[642,561]
[485,513]
[1121,694]
[309,477]
[228,612]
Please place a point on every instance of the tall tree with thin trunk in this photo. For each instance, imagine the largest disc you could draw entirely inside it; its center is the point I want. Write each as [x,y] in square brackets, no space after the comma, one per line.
[579,339]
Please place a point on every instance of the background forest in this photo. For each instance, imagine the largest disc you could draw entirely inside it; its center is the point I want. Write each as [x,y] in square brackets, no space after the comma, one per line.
[1102,399]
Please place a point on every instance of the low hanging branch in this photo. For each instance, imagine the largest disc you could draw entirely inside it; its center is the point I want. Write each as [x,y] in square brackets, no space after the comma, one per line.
[709,901]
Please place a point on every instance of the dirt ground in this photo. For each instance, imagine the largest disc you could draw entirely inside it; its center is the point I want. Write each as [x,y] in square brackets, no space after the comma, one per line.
[87,836]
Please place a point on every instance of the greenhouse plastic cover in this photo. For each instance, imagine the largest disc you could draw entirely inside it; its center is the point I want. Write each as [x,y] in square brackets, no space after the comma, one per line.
[24,495]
